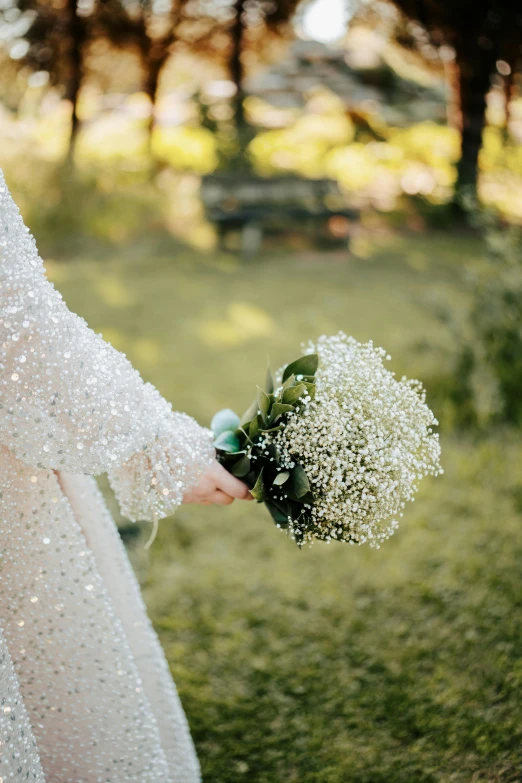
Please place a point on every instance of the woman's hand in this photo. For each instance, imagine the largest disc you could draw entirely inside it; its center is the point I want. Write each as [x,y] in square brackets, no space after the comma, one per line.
[217,486]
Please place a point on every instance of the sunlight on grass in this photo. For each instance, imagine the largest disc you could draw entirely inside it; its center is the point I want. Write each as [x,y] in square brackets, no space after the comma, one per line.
[147,352]
[244,322]
[57,273]
[361,247]
[418,261]
[113,291]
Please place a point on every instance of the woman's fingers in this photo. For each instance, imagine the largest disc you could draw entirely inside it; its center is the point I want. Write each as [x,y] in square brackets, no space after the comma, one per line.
[221,498]
[231,485]
[217,485]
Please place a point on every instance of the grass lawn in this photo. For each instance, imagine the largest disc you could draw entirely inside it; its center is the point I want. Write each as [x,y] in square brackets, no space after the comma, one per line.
[334,664]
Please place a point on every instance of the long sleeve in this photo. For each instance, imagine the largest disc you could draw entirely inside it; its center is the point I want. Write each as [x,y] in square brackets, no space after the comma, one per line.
[69,401]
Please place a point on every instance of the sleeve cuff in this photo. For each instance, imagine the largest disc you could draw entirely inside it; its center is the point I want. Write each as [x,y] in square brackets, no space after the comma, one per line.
[151,484]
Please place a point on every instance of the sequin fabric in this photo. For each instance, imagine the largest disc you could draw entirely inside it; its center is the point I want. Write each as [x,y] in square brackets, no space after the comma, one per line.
[86,695]
[19,758]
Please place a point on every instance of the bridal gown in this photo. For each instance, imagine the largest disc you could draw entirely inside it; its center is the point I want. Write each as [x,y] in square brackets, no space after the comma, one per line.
[85,691]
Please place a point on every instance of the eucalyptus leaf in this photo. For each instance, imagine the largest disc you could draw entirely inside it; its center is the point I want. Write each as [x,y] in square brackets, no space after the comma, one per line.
[281,478]
[227,441]
[305,365]
[224,421]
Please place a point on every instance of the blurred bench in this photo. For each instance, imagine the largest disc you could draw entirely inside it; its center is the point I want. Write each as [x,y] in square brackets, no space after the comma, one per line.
[255,206]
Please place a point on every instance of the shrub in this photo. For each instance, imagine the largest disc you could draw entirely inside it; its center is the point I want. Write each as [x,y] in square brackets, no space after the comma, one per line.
[486,379]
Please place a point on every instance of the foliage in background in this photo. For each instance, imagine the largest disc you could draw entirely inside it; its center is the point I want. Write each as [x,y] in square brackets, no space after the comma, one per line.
[486,383]
[62,44]
[59,41]
[484,39]
[149,29]
[323,141]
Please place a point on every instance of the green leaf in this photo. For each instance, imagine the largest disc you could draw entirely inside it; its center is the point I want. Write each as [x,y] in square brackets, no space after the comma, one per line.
[255,427]
[305,365]
[278,428]
[278,515]
[241,468]
[227,441]
[278,409]
[263,401]
[300,483]
[289,382]
[281,478]
[291,395]
[249,414]
[224,421]
[310,388]
[258,492]
[243,435]
[270,382]
[273,453]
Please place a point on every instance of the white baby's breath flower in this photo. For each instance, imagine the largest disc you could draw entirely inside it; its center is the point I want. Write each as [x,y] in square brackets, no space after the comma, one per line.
[364,442]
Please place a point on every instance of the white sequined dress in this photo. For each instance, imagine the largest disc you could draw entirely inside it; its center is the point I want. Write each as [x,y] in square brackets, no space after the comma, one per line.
[85,692]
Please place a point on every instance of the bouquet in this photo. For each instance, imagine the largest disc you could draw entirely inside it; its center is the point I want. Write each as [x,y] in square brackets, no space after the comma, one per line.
[335,444]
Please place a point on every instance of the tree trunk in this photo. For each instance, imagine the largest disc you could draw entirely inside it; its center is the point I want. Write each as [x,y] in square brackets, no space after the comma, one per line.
[237,72]
[474,80]
[509,92]
[77,37]
[153,67]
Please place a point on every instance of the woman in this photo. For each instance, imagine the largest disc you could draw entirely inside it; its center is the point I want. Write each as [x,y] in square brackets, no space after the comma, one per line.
[85,691]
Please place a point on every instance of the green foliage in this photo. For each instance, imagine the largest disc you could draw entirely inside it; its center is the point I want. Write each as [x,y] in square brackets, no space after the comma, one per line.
[417,161]
[487,378]
[186,149]
[241,447]
[67,206]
